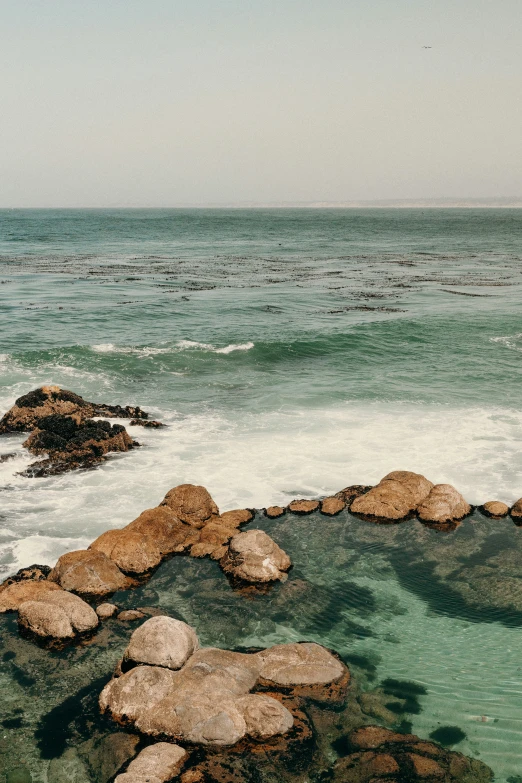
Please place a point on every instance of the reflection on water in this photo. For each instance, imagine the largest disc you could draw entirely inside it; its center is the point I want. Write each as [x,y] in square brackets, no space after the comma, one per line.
[431,620]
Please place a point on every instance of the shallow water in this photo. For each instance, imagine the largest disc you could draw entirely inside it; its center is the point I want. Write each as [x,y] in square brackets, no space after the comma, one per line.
[292,353]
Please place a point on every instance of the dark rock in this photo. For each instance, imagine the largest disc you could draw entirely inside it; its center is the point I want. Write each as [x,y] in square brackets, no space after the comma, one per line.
[348,494]
[151,423]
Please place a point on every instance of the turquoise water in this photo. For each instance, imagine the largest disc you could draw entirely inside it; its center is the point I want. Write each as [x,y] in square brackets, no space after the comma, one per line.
[292,352]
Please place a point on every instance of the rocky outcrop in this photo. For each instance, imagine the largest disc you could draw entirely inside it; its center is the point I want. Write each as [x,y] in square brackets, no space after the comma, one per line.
[191,504]
[156,763]
[348,494]
[254,557]
[395,497]
[274,512]
[130,550]
[161,641]
[495,509]
[377,754]
[443,505]
[28,411]
[15,593]
[212,698]
[62,427]
[88,572]
[516,512]
[332,506]
[303,506]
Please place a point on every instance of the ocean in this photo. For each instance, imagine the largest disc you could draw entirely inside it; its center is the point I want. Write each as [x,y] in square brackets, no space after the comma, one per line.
[292,352]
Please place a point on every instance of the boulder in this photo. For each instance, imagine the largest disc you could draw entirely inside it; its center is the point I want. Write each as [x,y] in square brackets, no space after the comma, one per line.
[264,717]
[516,512]
[444,504]
[211,537]
[132,551]
[106,610]
[254,557]
[273,512]
[57,615]
[28,411]
[162,641]
[88,572]
[226,671]
[236,518]
[495,509]
[303,506]
[348,494]
[106,755]
[17,593]
[332,506]
[137,691]
[303,663]
[130,615]
[192,504]
[159,762]
[395,497]
[161,525]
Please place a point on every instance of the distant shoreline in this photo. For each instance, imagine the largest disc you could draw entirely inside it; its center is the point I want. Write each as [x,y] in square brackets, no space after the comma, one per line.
[501,203]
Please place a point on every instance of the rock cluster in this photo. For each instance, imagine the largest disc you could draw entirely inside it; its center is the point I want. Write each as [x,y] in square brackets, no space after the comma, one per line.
[402,494]
[378,754]
[62,426]
[171,688]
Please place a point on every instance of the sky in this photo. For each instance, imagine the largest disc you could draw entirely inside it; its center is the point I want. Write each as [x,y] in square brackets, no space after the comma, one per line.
[165,102]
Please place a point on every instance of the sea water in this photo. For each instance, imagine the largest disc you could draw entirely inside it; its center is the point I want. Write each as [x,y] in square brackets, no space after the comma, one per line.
[291,353]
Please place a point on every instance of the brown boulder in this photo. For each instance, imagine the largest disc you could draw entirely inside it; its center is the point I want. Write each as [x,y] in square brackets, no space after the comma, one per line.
[264,716]
[212,536]
[130,615]
[106,610]
[16,593]
[156,763]
[516,511]
[136,691]
[444,504]
[273,512]
[56,614]
[389,500]
[192,504]
[495,509]
[254,557]
[305,663]
[236,518]
[132,551]
[332,506]
[425,767]
[303,506]
[418,485]
[348,494]
[162,641]
[88,572]
[161,525]
[370,737]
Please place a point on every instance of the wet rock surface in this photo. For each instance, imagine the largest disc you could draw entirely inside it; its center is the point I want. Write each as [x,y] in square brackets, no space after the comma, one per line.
[156,763]
[303,506]
[254,557]
[62,427]
[443,504]
[191,504]
[495,509]
[395,497]
[88,572]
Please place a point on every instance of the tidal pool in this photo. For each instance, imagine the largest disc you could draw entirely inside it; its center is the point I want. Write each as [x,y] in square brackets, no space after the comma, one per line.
[433,618]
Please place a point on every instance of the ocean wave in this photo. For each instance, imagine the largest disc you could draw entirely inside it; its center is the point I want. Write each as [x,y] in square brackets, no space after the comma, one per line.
[181,345]
[513,341]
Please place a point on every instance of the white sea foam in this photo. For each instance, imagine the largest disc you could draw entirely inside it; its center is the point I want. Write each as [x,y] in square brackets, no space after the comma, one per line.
[513,341]
[181,345]
[255,460]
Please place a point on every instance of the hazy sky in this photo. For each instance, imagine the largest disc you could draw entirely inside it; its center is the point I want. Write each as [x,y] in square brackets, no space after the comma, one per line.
[161,102]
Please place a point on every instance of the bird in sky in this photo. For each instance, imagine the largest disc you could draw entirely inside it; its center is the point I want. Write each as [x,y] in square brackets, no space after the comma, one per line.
[427,47]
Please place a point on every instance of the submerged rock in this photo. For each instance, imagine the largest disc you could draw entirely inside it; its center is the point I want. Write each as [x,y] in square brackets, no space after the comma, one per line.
[191,504]
[88,572]
[254,557]
[130,615]
[444,504]
[162,641]
[156,763]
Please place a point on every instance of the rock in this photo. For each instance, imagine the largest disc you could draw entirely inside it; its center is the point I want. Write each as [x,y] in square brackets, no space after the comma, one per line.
[106,756]
[159,762]
[443,504]
[236,518]
[162,641]
[264,716]
[106,610]
[161,525]
[305,663]
[348,494]
[495,509]
[212,536]
[516,511]
[17,593]
[54,604]
[132,551]
[369,737]
[151,424]
[136,692]
[32,572]
[192,504]
[303,506]
[88,572]
[425,767]
[273,512]
[226,671]
[45,621]
[395,497]
[332,506]
[68,768]
[129,615]
[28,411]
[254,557]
